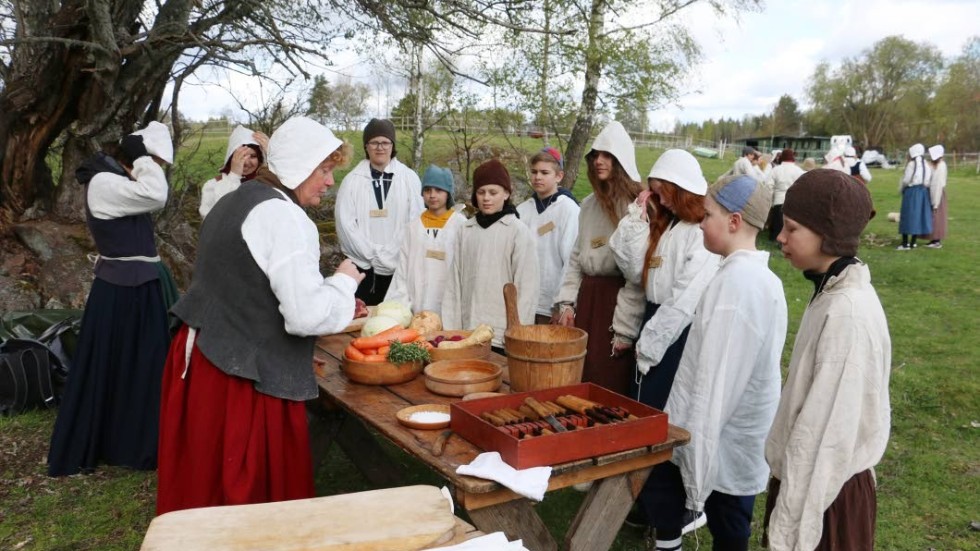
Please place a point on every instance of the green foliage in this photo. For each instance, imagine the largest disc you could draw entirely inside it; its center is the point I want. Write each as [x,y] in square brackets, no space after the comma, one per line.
[342,104]
[880,97]
[956,106]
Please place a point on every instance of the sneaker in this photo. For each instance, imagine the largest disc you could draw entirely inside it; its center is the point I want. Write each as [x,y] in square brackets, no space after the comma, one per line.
[903,248]
[936,245]
[695,521]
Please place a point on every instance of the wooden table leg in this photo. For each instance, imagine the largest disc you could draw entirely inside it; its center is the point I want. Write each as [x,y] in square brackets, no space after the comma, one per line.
[518,520]
[355,440]
[603,511]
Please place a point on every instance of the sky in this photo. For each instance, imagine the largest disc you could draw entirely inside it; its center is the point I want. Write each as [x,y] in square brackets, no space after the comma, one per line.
[748,62]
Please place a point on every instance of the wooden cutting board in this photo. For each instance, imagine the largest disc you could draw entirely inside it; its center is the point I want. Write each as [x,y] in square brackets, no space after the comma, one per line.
[395,519]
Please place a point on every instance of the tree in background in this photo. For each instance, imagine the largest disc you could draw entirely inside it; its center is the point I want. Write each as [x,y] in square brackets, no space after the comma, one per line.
[880,97]
[956,106]
[637,51]
[343,104]
[786,117]
[109,63]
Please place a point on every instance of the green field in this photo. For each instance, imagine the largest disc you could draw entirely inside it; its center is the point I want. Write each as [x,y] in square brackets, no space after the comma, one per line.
[925,482]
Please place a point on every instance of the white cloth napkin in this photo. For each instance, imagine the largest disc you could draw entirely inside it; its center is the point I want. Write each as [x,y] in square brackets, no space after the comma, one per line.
[496,541]
[530,483]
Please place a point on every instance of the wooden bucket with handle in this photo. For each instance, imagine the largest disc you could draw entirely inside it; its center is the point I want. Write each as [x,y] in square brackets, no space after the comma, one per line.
[541,356]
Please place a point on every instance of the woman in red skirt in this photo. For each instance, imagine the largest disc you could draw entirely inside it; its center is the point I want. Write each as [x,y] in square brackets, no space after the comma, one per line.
[232,419]
[594,296]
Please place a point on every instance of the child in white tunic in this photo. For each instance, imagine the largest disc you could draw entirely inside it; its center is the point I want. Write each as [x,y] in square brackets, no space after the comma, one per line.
[429,245]
[552,215]
[727,385]
[243,158]
[493,248]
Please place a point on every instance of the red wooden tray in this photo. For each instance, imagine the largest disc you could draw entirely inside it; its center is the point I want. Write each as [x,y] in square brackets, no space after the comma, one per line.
[553,449]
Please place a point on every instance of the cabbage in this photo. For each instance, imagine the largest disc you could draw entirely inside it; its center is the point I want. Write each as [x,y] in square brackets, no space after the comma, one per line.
[396,311]
[377,324]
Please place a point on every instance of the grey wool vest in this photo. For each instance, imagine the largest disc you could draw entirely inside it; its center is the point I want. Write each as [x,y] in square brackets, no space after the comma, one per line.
[231,304]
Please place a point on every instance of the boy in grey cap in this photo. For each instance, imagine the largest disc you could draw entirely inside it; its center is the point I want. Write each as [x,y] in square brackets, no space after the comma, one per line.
[727,385]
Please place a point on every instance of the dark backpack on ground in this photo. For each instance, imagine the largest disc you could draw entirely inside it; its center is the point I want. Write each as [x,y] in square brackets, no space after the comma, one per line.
[33,373]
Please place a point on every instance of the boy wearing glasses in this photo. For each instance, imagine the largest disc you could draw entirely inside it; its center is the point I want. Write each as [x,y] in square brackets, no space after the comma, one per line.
[375,203]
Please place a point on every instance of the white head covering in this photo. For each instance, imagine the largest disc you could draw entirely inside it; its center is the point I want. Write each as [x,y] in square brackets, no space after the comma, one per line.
[297,147]
[850,152]
[156,139]
[834,152]
[617,142]
[680,167]
[936,152]
[917,150]
[239,136]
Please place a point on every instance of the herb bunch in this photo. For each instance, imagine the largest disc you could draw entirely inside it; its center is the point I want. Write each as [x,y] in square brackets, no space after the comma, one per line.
[411,352]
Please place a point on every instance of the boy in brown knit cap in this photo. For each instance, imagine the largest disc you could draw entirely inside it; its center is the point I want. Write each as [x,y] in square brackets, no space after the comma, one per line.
[833,420]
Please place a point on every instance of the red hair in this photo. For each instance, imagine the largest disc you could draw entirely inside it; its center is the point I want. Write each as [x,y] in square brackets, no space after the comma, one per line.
[687,207]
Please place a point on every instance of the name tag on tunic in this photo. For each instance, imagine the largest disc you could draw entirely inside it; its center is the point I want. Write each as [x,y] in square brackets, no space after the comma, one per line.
[379,213]
[599,242]
[434,254]
[546,228]
[656,262]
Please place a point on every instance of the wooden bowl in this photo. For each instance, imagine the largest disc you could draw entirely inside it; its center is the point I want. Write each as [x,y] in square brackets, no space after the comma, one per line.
[478,351]
[380,373]
[462,377]
[481,395]
[404,416]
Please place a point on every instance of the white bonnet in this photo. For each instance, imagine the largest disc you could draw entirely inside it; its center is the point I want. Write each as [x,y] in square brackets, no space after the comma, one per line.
[680,167]
[239,136]
[297,147]
[156,139]
[917,150]
[614,139]
[936,152]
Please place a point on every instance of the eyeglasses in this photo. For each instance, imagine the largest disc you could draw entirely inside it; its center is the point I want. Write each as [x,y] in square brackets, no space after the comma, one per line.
[380,145]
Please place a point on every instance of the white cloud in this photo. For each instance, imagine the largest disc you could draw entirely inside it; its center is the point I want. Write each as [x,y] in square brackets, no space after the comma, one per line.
[751,62]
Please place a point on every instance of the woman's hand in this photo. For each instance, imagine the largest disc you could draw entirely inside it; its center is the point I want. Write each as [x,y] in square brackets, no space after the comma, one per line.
[642,199]
[620,345]
[262,140]
[237,165]
[348,268]
[565,316]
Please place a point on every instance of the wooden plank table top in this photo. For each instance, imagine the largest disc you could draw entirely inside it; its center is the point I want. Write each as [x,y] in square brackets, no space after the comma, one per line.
[489,504]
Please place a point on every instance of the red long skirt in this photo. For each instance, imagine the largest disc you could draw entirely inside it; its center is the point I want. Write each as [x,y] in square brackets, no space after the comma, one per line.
[224,443]
[594,311]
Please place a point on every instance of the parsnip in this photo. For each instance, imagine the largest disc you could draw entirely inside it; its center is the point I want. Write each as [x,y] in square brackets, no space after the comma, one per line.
[480,335]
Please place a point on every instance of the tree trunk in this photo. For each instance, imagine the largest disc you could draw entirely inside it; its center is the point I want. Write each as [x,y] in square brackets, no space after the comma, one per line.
[582,131]
[418,126]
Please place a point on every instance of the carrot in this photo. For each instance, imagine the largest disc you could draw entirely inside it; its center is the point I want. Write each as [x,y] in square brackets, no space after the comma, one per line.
[375,358]
[353,354]
[390,331]
[381,339]
[384,350]
[370,351]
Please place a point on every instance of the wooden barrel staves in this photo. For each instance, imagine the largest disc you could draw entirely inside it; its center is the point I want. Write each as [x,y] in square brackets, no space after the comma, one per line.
[541,356]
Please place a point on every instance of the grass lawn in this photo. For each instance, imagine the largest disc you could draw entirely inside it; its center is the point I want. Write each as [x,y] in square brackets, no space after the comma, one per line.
[925,482]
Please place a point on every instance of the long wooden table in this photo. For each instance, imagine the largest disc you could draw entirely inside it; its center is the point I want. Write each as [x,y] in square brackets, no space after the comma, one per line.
[617,478]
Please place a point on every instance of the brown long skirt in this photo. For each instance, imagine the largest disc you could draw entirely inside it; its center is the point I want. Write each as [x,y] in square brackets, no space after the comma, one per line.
[849,522]
[594,313]
[939,221]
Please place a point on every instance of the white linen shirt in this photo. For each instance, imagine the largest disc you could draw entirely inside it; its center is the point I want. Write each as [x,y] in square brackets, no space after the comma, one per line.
[782,177]
[677,285]
[285,244]
[112,196]
[215,189]
[937,183]
[485,260]
[423,265]
[555,231]
[917,173]
[726,389]
[834,415]
[593,255]
[373,242]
